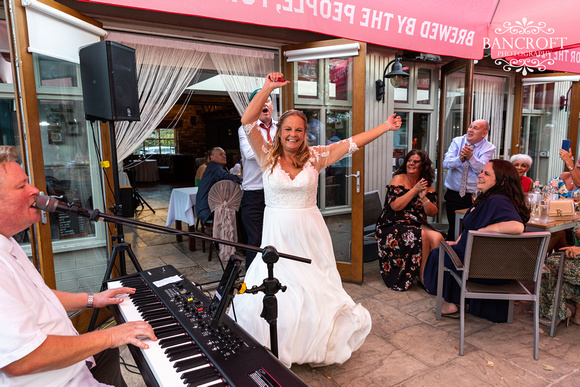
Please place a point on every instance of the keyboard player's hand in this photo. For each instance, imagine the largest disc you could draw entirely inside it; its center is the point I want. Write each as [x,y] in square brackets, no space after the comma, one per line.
[111,296]
[134,332]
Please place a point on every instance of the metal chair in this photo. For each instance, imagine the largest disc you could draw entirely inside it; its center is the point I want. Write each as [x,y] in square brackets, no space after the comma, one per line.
[372,208]
[559,283]
[488,255]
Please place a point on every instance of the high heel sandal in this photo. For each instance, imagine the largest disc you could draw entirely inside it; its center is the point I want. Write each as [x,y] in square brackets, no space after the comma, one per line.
[570,311]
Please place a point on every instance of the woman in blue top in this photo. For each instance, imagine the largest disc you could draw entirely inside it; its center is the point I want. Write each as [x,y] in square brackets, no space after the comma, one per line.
[501,207]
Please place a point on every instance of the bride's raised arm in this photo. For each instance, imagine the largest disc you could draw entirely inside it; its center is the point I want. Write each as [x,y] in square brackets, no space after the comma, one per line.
[253,111]
[330,154]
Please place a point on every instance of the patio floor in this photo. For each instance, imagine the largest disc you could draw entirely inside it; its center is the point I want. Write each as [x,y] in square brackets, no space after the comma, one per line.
[407,346]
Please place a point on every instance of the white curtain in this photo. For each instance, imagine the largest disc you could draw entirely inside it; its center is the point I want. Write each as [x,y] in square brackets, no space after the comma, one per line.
[242,71]
[165,67]
[489,104]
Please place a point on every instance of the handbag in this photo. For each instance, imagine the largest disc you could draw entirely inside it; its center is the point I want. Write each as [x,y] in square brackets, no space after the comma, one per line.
[562,209]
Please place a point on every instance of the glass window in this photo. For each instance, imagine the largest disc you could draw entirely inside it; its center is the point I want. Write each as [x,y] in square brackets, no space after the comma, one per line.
[401,92]
[543,128]
[424,86]
[8,124]
[72,173]
[339,79]
[400,141]
[55,72]
[307,79]
[420,130]
[160,142]
[329,117]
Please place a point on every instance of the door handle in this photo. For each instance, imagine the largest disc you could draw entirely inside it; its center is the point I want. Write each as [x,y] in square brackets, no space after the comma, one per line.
[357,180]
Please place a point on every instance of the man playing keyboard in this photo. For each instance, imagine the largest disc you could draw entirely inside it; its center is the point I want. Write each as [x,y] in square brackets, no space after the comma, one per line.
[38,343]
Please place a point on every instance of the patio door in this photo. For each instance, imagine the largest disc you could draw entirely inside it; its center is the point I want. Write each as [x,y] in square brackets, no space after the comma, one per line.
[328,85]
[455,113]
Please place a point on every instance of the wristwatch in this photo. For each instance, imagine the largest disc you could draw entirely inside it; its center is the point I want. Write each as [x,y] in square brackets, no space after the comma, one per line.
[570,167]
[90,301]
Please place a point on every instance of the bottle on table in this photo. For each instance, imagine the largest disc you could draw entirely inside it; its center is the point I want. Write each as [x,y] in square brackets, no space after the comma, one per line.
[554,193]
[535,198]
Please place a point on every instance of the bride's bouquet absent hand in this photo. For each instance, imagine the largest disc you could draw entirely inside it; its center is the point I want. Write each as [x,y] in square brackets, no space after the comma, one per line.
[421,188]
[275,80]
[393,122]
[571,251]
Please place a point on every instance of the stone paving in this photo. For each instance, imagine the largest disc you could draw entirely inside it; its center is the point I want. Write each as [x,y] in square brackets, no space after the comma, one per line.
[407,346]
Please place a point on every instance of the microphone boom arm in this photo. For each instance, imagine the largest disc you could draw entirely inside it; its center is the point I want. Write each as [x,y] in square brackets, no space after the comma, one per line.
[96,215]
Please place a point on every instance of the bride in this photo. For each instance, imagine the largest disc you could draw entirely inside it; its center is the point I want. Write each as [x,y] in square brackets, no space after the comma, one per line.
[318,322]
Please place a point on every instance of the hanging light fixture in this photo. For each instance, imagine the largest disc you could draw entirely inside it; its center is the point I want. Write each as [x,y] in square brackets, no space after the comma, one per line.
[396,76]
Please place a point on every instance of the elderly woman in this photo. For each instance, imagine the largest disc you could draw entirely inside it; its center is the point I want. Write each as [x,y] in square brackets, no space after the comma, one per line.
[523,163]
[501,207]
[403,234]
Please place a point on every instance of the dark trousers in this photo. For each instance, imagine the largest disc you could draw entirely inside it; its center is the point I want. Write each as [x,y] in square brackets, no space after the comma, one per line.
[253,219]
[107,369]
[455,202]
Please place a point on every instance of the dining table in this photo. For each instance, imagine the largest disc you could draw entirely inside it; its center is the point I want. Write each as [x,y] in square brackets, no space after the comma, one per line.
[552,226]
[182,209]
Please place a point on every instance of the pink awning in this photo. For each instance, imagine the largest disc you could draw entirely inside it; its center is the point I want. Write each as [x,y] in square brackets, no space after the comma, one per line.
[450,27]
[459,28]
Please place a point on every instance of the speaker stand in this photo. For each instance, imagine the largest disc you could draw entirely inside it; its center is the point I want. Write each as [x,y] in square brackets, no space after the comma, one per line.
[120,247]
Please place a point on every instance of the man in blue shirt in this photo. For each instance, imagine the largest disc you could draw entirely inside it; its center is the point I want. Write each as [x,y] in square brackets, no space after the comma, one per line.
[465,159]
[214,172]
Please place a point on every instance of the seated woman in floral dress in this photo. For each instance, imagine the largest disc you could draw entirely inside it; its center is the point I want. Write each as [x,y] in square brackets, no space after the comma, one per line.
[403,234]
[570,285]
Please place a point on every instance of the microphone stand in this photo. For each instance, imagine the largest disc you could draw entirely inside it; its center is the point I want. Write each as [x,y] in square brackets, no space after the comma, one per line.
[270,285]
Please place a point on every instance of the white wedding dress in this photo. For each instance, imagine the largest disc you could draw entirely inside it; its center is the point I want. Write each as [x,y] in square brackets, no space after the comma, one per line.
[318,322]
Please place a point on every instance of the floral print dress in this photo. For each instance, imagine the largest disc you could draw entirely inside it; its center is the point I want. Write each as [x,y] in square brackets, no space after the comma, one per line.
[570,285]
[398,234]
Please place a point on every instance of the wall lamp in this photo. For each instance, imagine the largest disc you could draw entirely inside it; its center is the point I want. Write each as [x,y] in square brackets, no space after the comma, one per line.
[396,75]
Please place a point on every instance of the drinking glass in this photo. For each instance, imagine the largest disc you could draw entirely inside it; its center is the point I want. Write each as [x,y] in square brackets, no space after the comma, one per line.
[531,201]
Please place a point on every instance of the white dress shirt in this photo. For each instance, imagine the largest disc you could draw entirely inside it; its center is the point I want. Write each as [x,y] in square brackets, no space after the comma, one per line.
[252,172]
[31,312]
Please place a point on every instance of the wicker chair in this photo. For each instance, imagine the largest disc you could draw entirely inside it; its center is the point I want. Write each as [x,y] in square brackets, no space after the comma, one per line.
[514,258]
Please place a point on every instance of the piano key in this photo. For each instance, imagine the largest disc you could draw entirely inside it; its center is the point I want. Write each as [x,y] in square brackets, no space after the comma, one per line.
[162,322]
[161,368]
[203,356]
[174,340]
[182,353]
[202,375]
[195,361]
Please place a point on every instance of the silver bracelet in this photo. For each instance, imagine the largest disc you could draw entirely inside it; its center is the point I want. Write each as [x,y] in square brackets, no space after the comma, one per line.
[90,301]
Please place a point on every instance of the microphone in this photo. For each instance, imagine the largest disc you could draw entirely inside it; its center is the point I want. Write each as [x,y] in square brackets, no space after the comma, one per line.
[50,204]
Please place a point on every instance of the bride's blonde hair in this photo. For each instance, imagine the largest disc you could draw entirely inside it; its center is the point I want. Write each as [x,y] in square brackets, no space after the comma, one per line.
[303,152]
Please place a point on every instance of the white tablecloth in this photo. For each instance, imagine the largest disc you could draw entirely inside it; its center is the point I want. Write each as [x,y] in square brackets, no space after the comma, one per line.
[181,206]
[146,171]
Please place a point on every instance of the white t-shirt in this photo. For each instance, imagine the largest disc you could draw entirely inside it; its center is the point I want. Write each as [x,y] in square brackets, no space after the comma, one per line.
[29,312]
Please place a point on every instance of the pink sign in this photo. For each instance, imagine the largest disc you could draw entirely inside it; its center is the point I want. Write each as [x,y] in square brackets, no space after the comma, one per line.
[455,27]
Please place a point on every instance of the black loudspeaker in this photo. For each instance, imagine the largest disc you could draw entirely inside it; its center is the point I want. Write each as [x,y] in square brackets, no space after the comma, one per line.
[109,79]
[128,201]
